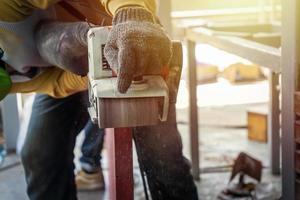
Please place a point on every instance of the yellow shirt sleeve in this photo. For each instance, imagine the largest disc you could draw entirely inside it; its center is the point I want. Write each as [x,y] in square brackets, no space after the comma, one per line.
[112,6]
[17,10]
[54,82]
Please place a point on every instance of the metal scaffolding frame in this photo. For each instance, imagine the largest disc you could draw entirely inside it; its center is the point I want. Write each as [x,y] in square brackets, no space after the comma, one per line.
[290,66]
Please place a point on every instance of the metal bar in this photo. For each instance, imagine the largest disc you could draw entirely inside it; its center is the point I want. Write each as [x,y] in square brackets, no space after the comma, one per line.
[11,121]
[164,14]
[274,124]
[263,55]
[289,65]
[193,110]
[236,13]
[120,163]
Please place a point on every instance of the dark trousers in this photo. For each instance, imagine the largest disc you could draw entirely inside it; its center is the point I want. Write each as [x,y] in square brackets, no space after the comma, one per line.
[47,154]
[91,147]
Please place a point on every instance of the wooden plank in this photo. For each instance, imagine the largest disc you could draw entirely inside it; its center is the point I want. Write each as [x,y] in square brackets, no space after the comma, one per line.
[263,55]
[257,126]
[131,112]
[193,109]
[289,66]
[297,161]
[236,12]
[269,39]
[209,31]
[297,131]
[297,103]
[245,27]
[268,34]
[120,171]
[274,123]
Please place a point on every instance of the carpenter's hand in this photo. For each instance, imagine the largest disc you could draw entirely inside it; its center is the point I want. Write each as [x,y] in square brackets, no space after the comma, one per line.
[136,46]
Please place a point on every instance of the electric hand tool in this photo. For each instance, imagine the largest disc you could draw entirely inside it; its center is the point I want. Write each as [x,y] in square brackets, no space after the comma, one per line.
[145,103]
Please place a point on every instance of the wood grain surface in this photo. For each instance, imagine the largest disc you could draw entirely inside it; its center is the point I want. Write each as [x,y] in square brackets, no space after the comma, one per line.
[129,112]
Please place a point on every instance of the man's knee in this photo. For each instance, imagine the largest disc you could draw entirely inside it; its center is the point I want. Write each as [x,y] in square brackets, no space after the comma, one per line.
[26,155]
[32,158]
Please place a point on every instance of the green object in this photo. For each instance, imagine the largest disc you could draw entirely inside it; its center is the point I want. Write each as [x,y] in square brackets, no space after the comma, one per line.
[5,83]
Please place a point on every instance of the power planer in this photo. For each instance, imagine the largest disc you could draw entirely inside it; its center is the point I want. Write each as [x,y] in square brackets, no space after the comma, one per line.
[147,100]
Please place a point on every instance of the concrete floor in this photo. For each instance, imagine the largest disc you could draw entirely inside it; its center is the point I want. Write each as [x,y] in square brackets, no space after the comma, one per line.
[13,187]
[219,147]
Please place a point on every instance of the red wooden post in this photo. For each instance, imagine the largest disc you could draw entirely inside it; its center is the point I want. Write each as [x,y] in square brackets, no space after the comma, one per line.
[119,142]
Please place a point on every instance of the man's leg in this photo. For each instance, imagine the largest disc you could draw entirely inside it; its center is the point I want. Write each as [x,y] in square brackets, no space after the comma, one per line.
[91,177]
[159,150]
[47,154]
[91,147]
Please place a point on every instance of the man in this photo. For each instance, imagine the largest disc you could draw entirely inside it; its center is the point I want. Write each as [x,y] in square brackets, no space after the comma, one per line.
[137,45]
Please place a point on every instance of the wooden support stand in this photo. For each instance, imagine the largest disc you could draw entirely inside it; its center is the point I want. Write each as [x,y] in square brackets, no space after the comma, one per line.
[119,141]
[254,50]
[193,110]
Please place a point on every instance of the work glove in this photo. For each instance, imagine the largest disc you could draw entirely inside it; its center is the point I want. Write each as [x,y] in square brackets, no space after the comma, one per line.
[136,46]
[64,45]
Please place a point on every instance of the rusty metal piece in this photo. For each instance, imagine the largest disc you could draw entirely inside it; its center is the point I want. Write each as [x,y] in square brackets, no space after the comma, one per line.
[247,165]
